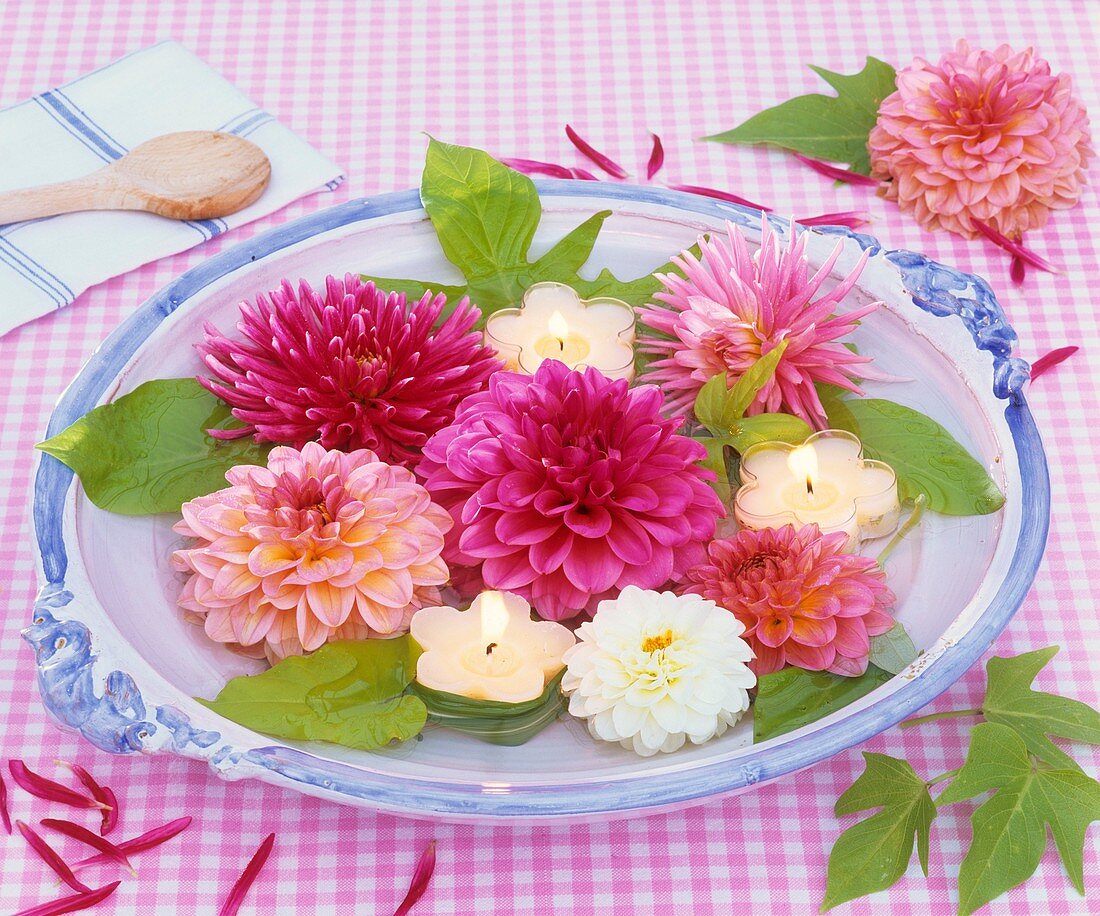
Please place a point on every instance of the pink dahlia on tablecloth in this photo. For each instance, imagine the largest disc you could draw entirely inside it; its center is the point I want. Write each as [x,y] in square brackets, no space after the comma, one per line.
[802,599]
[567,486]
[982,135]
[732,306]
[318,546]
[352,368]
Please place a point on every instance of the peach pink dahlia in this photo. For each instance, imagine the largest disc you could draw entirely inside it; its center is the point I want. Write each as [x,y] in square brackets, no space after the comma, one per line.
[318,546]
[802,600]
[731,307]
[982,135]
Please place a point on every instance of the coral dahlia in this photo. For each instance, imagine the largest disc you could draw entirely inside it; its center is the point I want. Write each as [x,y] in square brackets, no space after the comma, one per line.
[353,368]
[317,546]
[731,307]
[802,599]
[982,135]
[567,486]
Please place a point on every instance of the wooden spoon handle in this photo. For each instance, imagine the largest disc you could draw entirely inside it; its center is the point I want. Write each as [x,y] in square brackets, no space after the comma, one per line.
[97,191]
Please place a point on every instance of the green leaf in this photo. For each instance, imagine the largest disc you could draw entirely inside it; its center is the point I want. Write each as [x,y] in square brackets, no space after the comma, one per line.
[1008,831]
[716,462]
[768,427]
[926,457]
[148,451]
[485,215]
[893,650]
[1009,700]
[719,406]
[871,855]
[508,724]
[347,693]
[824,126]
[793,697]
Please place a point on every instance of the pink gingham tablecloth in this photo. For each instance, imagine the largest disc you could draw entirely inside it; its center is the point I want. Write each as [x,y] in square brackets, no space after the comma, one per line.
[363,81]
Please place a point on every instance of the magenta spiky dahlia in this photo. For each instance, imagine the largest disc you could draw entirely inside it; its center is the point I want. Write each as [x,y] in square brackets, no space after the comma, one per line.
[731,307]
[567,486]
[802,599]
[982,135]
[353,368]
[317,546]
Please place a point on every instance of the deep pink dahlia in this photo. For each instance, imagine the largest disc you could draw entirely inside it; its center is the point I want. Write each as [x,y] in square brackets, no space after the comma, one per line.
[985,135]
[567,486]
[802,599]
[319,545]
[731,307]
[355,368]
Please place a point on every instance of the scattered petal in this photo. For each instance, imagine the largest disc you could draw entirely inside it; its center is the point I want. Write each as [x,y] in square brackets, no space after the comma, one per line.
[608,165]
[1017,269]
[248,876]
[4,804]
[535,167]
[71,903]
[420,880]
[583,175]
[1050,360]
[84,835]
[1013,247]
[832,171]
[110,817]
[656,158]
[719,195]
[100,793]
[51,858]
[147,840]
[41,787]
[853,219]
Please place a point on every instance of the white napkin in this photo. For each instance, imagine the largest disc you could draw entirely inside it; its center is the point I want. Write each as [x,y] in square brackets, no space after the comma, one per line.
[75,129]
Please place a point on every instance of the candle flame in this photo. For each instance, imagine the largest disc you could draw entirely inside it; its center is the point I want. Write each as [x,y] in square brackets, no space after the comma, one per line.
[494,618]
[803,464]
[559,327]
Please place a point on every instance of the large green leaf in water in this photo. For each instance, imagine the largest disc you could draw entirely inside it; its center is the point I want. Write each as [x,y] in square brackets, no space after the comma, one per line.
[871,855]
[1009,830]
[925,456]
[824,126]
[485,215]
[893,650]
[793,697]
[148,451]
[349,693]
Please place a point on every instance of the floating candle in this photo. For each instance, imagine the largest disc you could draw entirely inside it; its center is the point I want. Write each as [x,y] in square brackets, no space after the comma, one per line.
[554,322]
[493,651]
[825,481]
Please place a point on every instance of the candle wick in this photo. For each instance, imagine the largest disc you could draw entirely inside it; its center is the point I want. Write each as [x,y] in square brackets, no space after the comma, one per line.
[489,648]
[561,345]
[809,485]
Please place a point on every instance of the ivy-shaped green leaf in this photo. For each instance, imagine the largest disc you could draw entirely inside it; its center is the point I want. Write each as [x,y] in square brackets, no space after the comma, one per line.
[768,427]
[871,855]
[925,456]
[824,126]
[148,451]
[1009,834]
[485,215]
[1032,714]
[792,697]
[349,693]
[893,650]
[719,405]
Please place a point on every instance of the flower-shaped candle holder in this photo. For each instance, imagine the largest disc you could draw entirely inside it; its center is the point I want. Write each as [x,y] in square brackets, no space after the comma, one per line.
[554,322]
[825,481]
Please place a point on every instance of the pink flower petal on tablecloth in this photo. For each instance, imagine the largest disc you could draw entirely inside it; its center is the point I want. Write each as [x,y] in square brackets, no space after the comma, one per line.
[248,876]
[1014,248]
[71,903]
[48,855]
[853,219]
[85,836]
[41,787]
[535,167]
[604,162]
[1047,362]
[832,171]
[1017,270]
[719,195]
[148,840]
[656,158]
[102,794]
[420,879]
[583,175]
[4,804]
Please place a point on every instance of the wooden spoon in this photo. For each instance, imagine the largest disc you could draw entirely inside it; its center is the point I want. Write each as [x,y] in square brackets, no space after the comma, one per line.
[194,174]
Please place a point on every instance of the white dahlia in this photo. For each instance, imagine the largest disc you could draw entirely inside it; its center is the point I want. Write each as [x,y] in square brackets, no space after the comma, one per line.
[653,669]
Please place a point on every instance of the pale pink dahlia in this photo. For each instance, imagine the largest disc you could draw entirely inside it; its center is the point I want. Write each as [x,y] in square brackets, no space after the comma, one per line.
[354,368]
[567,486]
[985,135]
[802,600]
[317,546]
[731,307]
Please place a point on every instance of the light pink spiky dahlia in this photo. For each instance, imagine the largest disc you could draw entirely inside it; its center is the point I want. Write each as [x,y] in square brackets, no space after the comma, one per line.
[802,599]
[319,545]
[566,487]
[352,368]
[731,307]
[986,135]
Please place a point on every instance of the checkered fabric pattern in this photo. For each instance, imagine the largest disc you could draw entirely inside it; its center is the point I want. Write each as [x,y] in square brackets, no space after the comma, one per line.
[362,81]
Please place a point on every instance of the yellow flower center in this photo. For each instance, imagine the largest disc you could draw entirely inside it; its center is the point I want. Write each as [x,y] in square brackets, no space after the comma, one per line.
[654,643]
